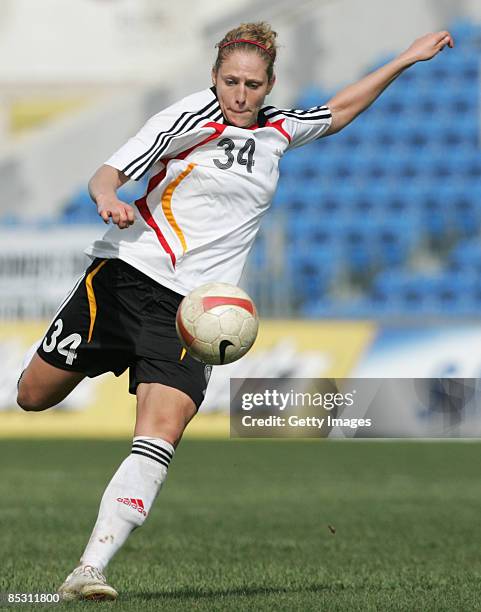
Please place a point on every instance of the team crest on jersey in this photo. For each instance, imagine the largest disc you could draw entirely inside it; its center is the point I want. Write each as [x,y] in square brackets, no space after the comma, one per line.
[207,373]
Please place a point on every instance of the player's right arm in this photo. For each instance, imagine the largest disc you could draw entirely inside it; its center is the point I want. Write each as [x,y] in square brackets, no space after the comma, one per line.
[103,190]
[173,129]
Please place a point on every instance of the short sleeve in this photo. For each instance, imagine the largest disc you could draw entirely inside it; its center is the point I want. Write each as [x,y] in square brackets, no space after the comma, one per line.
[150,143]
[172,130]
[303,126]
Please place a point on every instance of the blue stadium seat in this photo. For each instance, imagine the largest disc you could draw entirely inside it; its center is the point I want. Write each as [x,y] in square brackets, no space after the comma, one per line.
[313,269]
[312,96]
[454,293]
[283,195]
[465,259]
[80,210]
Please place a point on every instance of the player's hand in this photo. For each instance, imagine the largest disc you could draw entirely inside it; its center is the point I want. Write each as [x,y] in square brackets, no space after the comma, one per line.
[122,214]
[429,45]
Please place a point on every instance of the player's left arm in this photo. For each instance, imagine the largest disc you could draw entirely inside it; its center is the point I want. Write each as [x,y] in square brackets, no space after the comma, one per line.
[354,99]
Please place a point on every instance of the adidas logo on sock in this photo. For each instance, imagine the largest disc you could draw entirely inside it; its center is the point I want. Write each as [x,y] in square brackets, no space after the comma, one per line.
[135,504]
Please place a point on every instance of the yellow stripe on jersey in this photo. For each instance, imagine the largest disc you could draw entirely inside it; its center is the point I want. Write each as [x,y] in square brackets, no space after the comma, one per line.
[167,204]
[182,355]
[91,297]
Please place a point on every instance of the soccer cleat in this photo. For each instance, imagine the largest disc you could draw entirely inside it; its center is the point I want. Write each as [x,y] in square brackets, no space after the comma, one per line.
[86,582]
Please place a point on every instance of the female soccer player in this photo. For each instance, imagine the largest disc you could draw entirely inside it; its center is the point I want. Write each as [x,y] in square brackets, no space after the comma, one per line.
[213,162]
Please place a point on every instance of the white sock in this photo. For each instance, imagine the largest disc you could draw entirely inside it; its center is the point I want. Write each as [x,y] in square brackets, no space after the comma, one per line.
[128,498]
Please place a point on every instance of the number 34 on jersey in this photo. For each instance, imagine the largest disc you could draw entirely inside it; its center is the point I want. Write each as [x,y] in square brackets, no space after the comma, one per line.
[66,347]
[244,157]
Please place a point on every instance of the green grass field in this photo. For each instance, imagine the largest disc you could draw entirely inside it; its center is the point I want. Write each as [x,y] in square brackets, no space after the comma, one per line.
[244,525]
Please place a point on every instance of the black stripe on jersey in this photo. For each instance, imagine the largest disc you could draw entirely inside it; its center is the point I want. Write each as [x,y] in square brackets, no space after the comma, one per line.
[298,118]
[214,115]
[297,111]
[311,118]
[261,117]
[137,452]
[162,134]
[180,126]
[307,116]
[153,447]
[303,113]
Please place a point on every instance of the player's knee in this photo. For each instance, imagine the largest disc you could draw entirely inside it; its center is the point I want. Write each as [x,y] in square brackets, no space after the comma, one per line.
[168,423]
[29,400]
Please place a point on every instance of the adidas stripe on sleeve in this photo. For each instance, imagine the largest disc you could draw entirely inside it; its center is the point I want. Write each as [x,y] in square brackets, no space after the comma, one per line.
[172,130]
[304,126]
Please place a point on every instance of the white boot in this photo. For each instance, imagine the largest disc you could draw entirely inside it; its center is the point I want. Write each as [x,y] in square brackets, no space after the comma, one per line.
[86,582]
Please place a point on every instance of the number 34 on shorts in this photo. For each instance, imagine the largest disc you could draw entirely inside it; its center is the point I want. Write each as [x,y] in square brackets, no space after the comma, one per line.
[67,347]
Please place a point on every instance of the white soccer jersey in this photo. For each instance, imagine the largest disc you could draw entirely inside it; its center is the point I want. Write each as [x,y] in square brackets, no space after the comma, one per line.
[210,184]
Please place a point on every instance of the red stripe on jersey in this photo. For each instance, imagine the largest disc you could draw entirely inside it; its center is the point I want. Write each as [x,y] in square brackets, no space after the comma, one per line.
[222,126]
[147,215]
[219,128]
[187,337]
[156,179]
[213,301]
[278,126]
[159,177]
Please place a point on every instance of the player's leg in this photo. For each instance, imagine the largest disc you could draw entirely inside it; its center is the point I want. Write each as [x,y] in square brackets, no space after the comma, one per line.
[85,338]
[42,385]
[163,412]
[169,386]
[56,365]
[162,415]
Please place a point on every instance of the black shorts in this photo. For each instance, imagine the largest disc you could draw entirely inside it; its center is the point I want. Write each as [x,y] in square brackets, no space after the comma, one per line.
[116,318]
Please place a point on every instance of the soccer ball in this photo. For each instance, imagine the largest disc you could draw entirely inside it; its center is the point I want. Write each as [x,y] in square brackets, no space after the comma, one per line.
[217,323]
